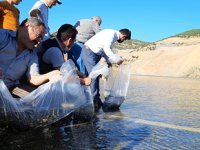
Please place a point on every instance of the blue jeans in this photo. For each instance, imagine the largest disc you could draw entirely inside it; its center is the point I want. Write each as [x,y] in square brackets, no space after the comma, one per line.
[74,54]
[90,59]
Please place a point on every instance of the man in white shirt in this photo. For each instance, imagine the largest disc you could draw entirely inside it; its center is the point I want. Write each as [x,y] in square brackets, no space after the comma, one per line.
[40,10]
[100,46]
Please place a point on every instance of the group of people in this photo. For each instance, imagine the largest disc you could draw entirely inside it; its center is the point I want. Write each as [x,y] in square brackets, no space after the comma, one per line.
[28,49]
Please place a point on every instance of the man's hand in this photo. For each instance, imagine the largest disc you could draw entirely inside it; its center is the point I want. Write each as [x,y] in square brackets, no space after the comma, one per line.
[86,81]
[34,13]
[120,62]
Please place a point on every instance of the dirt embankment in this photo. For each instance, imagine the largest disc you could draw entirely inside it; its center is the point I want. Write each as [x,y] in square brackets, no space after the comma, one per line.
[173,57]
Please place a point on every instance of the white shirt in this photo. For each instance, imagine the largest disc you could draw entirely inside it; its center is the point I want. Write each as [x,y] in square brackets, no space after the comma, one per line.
[41,6]
[103,41]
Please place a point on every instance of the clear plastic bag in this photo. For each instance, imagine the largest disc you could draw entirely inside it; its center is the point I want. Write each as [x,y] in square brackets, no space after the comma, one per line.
[114,58]
[99,68]
[115,88]
[86,112]
[47,104]
[11,110]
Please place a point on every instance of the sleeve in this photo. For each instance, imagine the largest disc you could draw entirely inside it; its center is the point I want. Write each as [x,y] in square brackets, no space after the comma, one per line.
[107,59]
[54,57]
[33,65]
[3,37]
[37,5]
[108,40]
[112,57]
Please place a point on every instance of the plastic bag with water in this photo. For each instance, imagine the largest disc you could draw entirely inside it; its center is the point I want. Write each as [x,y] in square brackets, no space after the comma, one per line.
[86,111]
[99,69]
[116,87]
[47,104]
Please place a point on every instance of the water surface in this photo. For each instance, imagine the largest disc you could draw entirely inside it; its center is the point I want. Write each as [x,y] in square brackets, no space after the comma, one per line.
[158,113]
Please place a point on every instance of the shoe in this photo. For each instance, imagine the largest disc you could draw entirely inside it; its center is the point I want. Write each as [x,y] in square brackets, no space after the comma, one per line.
[107,107]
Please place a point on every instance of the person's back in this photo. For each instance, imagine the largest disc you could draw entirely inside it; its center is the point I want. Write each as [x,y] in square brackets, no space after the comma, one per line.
[87,28]
[9,15]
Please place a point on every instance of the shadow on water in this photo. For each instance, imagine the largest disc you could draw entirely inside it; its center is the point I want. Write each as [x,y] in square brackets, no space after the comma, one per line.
[103,133]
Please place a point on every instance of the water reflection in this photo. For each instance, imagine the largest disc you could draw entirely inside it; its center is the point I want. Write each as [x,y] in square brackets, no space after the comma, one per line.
[159,113]
[168,100]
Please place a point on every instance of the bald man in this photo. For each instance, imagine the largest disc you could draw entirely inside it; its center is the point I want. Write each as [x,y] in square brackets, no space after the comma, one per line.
[86,28]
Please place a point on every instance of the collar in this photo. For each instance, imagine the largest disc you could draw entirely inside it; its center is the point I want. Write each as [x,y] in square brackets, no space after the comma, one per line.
[60,45]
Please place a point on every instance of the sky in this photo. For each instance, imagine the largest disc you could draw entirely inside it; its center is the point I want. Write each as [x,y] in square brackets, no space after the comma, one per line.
[148,20]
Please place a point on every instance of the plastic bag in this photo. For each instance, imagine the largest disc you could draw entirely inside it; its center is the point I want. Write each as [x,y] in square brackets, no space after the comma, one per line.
[86,112]
[99,68]
[116,87]
[11,110]
[114,58]
[47,104]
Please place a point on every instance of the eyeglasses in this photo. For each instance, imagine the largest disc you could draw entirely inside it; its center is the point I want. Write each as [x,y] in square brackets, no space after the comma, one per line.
[37,35]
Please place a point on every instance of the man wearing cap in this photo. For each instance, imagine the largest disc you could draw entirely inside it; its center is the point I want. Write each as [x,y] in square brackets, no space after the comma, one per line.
[40,10]
[100,46]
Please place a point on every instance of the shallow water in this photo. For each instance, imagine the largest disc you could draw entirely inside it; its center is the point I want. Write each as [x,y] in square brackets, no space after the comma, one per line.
[158,113]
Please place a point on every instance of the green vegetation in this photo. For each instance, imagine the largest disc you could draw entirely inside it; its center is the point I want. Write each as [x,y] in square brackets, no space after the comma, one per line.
[131,44]
[190,33]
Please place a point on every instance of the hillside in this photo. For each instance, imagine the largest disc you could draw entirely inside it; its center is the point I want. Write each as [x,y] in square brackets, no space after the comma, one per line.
[190,33]
[176,56]
[133,44]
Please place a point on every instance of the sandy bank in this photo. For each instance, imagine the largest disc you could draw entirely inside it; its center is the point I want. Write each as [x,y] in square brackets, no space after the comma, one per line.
[173,57]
